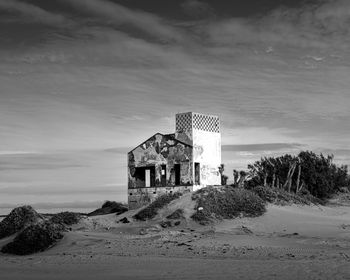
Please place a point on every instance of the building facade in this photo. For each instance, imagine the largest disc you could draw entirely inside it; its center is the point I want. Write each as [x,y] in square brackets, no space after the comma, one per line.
[184,161]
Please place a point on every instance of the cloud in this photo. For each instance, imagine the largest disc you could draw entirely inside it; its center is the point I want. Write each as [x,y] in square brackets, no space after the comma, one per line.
[33,13]
[261,147]
[47,205]
[63,190]
[103,68]
[320,25]
[197,9]
[118,15]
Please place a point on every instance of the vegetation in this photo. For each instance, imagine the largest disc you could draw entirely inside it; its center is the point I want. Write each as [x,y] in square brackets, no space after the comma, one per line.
[308,173]
[151,210]
[239,178]
[177,214]
[65,218]
[282,197]
[109,207]
[227,203]
[34,238]
[18,219]
[224,178]
[34,233]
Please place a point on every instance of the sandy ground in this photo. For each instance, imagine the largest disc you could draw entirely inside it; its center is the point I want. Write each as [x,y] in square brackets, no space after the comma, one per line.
[290,242]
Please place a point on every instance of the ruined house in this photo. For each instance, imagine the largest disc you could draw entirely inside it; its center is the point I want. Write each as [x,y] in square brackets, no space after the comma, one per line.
[184,161]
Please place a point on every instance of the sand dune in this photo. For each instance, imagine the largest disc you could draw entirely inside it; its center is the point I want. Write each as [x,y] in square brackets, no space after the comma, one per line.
[289,242]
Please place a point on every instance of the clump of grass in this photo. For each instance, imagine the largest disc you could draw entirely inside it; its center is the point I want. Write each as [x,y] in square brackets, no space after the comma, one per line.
[177,214]
[34,238]
[35,234]
[282,197]
[202,217]
[65,218]
[18,219]
[109,207]
[151,210]
[226,203]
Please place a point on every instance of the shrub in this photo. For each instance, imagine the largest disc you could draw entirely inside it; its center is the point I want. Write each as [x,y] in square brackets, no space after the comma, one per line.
[18,219]
[266,194]
[109,207]
[315,173]
[151,210]
[177,214]
[201,217]
[34,238]
[227,203]
[65,218]
[280,196]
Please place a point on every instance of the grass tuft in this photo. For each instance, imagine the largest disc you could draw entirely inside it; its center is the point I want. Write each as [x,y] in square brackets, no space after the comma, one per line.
[226,203]
[151,210]
[109,207]
[282,197]
[65,218]
[34,238]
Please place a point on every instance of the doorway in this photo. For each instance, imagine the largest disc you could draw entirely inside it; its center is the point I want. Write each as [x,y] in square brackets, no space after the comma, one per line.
[163,175]
[145,176]
[197,173]
[177,168]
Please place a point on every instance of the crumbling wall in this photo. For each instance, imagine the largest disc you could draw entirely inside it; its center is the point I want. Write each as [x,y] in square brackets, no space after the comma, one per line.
[157,151]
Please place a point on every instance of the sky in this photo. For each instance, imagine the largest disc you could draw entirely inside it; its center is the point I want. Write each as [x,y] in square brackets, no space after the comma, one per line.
[82,81]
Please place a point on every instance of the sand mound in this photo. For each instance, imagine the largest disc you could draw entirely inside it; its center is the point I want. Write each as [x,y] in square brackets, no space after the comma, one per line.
[34,238]
[184,204]
[35,233]
[18,219]
[310,221]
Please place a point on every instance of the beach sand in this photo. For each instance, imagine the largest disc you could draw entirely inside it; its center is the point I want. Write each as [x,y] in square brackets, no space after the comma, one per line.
[287,242]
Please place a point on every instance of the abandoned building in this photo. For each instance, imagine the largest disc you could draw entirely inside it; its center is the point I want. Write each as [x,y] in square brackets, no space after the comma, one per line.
[184,161]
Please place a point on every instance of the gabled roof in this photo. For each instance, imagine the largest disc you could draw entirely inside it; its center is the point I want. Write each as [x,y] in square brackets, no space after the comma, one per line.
[171,135]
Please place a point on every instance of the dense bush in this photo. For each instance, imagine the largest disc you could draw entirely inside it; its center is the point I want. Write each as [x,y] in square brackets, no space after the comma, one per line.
[280,196]
[308,171]
[34,233]
[227,203]
[65,218]
[151,210]
[18,219]
[34,238]
[202,217]
[109,207]
[177,214]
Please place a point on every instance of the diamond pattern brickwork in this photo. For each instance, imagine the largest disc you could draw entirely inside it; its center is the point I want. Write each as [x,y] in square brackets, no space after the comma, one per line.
[189,121]
[206,123]
[183,122]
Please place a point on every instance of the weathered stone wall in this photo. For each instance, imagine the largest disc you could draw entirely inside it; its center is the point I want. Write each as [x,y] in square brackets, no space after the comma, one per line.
[161,150]
[197,139]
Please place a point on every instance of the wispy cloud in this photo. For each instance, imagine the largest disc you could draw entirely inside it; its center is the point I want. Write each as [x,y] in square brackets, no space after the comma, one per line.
[43,205]
[32,13]
[280,77]
[198,9]
[111,13]
[321,26]
[262,147]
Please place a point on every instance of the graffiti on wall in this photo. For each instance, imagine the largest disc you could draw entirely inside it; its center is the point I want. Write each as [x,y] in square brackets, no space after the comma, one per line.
[160,150]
